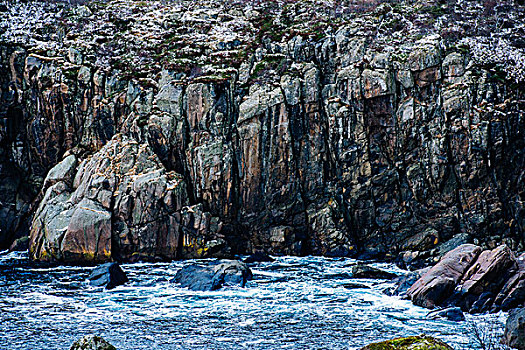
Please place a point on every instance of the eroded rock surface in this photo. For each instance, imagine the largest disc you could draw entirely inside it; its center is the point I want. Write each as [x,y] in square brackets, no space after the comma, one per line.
[353,129]
[119,203]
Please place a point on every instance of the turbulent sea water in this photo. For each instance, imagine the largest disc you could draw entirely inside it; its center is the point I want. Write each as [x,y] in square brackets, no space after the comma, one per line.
[292,303]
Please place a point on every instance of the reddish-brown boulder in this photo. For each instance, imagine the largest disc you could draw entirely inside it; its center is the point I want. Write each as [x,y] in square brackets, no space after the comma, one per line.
[439,282]
[475,280]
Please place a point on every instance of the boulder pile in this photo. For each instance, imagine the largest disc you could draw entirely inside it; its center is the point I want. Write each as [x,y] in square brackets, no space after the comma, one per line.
[474,279]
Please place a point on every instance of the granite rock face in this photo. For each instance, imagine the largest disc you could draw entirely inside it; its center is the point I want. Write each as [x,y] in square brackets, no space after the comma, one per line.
[118,204]
[172,130]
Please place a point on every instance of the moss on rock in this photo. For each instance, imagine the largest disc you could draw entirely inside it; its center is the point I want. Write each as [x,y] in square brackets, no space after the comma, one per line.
[409,343]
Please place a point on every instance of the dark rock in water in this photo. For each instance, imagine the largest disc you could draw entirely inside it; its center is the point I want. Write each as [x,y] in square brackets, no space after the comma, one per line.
[20,245]
[92,342]
[353,285]
[258,257]
[482,303]
[409,343]
[403,283]
[451,314]
[514,335]
[214,276]
[108,275]
[366,271]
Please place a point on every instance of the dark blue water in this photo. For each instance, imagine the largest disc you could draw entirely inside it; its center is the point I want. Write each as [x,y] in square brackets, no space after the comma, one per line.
[292,303]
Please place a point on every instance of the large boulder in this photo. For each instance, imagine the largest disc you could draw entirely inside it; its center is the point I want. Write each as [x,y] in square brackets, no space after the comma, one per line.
[473,279]
[441,280]
[409,343]
[108,275]
[514,335]
[92,342]
[120,203]
[213,276]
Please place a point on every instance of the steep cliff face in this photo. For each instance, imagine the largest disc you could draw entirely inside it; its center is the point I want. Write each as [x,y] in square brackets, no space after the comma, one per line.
[145,130]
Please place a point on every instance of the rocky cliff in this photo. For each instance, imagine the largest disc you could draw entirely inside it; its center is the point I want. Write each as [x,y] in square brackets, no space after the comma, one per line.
[174,129]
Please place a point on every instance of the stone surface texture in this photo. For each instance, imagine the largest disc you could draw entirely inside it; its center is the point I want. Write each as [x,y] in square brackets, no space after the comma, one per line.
[152,130]
[474,279]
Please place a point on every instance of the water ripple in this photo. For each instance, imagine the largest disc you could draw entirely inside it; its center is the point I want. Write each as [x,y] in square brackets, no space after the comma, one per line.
[296,303]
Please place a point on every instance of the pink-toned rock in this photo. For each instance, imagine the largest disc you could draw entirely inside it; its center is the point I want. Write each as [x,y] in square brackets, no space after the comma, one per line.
[439,282]
[487,273]
[475,280]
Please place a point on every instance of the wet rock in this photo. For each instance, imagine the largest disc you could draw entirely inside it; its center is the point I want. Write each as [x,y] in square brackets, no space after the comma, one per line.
[366,271]
[92,342]
[108,275]
[451,314]
[514,335]
[214,276]
[441,280]
[352,285]
[258,257]
[473,279]
[403,283]
[419,342]
[489,271]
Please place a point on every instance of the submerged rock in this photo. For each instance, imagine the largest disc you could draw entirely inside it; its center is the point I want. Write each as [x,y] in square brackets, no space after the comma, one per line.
[410,343]
[214,276]
[366,271]
[258,257]
[92,342]
[403,283]
[108,275]
[451,314]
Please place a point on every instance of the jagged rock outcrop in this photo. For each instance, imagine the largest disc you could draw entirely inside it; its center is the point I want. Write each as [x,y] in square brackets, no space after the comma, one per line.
[474,279]
[292,128]
[119,203]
